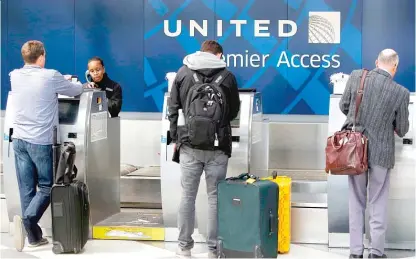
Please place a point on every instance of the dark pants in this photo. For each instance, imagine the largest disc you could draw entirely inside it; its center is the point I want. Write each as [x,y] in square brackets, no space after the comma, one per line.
[33,169]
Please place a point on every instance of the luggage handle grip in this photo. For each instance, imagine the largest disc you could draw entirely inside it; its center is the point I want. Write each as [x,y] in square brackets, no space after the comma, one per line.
[243,176]
[272,226]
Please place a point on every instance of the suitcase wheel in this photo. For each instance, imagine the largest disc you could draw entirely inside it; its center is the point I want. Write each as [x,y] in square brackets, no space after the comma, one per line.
[258,253]
[220,249]
[57,249]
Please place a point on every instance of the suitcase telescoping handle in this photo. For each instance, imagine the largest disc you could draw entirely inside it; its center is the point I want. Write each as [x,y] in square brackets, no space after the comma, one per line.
[55,135]
[56,149]
[10,141]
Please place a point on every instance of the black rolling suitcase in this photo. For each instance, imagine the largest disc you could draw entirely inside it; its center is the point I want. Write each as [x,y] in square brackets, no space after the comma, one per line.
[69,203]
[247,217]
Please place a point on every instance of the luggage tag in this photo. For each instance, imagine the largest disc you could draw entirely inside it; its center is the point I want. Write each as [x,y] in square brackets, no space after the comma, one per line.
[216,141]
[250,180]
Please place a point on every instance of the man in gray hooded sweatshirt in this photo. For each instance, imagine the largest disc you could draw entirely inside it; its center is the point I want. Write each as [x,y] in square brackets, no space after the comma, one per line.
[207,65]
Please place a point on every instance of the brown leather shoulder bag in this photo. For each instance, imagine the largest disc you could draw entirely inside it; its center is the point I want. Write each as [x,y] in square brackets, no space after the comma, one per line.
[346,150]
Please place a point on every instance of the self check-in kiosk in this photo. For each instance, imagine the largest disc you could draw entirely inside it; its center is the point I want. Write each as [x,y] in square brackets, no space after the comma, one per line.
[83,120]
[249,154]
[401,202]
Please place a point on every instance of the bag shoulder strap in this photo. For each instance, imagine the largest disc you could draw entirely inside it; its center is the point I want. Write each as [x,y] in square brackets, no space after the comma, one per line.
[359,98]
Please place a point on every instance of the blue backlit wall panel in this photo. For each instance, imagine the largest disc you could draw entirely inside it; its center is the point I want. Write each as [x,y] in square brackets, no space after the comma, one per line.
[113,31]
[291,72]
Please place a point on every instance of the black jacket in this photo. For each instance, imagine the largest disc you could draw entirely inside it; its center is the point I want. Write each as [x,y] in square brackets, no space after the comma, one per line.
[114,94]
[182,84]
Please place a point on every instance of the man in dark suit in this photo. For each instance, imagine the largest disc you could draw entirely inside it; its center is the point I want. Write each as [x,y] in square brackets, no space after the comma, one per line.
[383,112]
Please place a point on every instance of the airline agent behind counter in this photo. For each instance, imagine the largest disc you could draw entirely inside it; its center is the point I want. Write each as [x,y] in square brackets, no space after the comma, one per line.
[100,79]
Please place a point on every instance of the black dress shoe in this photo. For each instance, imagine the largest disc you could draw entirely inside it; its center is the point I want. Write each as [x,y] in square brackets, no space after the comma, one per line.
[376,256]
[356,256]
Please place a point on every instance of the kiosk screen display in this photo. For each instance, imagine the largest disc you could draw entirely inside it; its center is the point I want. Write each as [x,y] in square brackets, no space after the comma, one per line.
[68,111]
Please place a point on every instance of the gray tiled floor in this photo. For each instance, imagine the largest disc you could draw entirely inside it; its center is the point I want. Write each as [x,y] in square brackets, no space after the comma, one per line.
[137,250]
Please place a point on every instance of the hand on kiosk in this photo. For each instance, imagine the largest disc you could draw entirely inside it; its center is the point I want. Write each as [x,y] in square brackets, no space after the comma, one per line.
[90,85]
[72,78]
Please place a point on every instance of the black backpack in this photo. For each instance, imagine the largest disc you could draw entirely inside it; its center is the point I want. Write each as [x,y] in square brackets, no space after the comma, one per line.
[205,110]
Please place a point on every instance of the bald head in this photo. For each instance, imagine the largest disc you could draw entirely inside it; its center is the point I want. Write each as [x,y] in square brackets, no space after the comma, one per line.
[388,60]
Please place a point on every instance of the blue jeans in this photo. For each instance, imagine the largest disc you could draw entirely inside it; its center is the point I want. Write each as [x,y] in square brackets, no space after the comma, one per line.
[33,169]
[193,162]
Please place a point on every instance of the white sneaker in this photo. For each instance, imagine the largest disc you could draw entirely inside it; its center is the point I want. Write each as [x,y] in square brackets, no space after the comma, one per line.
[19,233]
[212,254]
[183,252]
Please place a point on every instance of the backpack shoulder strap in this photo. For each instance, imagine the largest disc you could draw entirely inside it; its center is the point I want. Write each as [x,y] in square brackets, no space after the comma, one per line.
[195,78]
[221,76]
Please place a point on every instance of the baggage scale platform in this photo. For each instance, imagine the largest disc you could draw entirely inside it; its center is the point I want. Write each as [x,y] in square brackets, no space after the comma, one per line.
[139,187]
[131,224]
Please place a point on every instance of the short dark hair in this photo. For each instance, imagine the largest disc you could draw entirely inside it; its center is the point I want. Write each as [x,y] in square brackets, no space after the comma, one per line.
[32,50]
[96,59]
[211,46]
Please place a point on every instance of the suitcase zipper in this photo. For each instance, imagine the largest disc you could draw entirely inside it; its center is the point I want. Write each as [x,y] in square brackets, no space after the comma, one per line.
[83,208]
[78,242]
[69,213]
